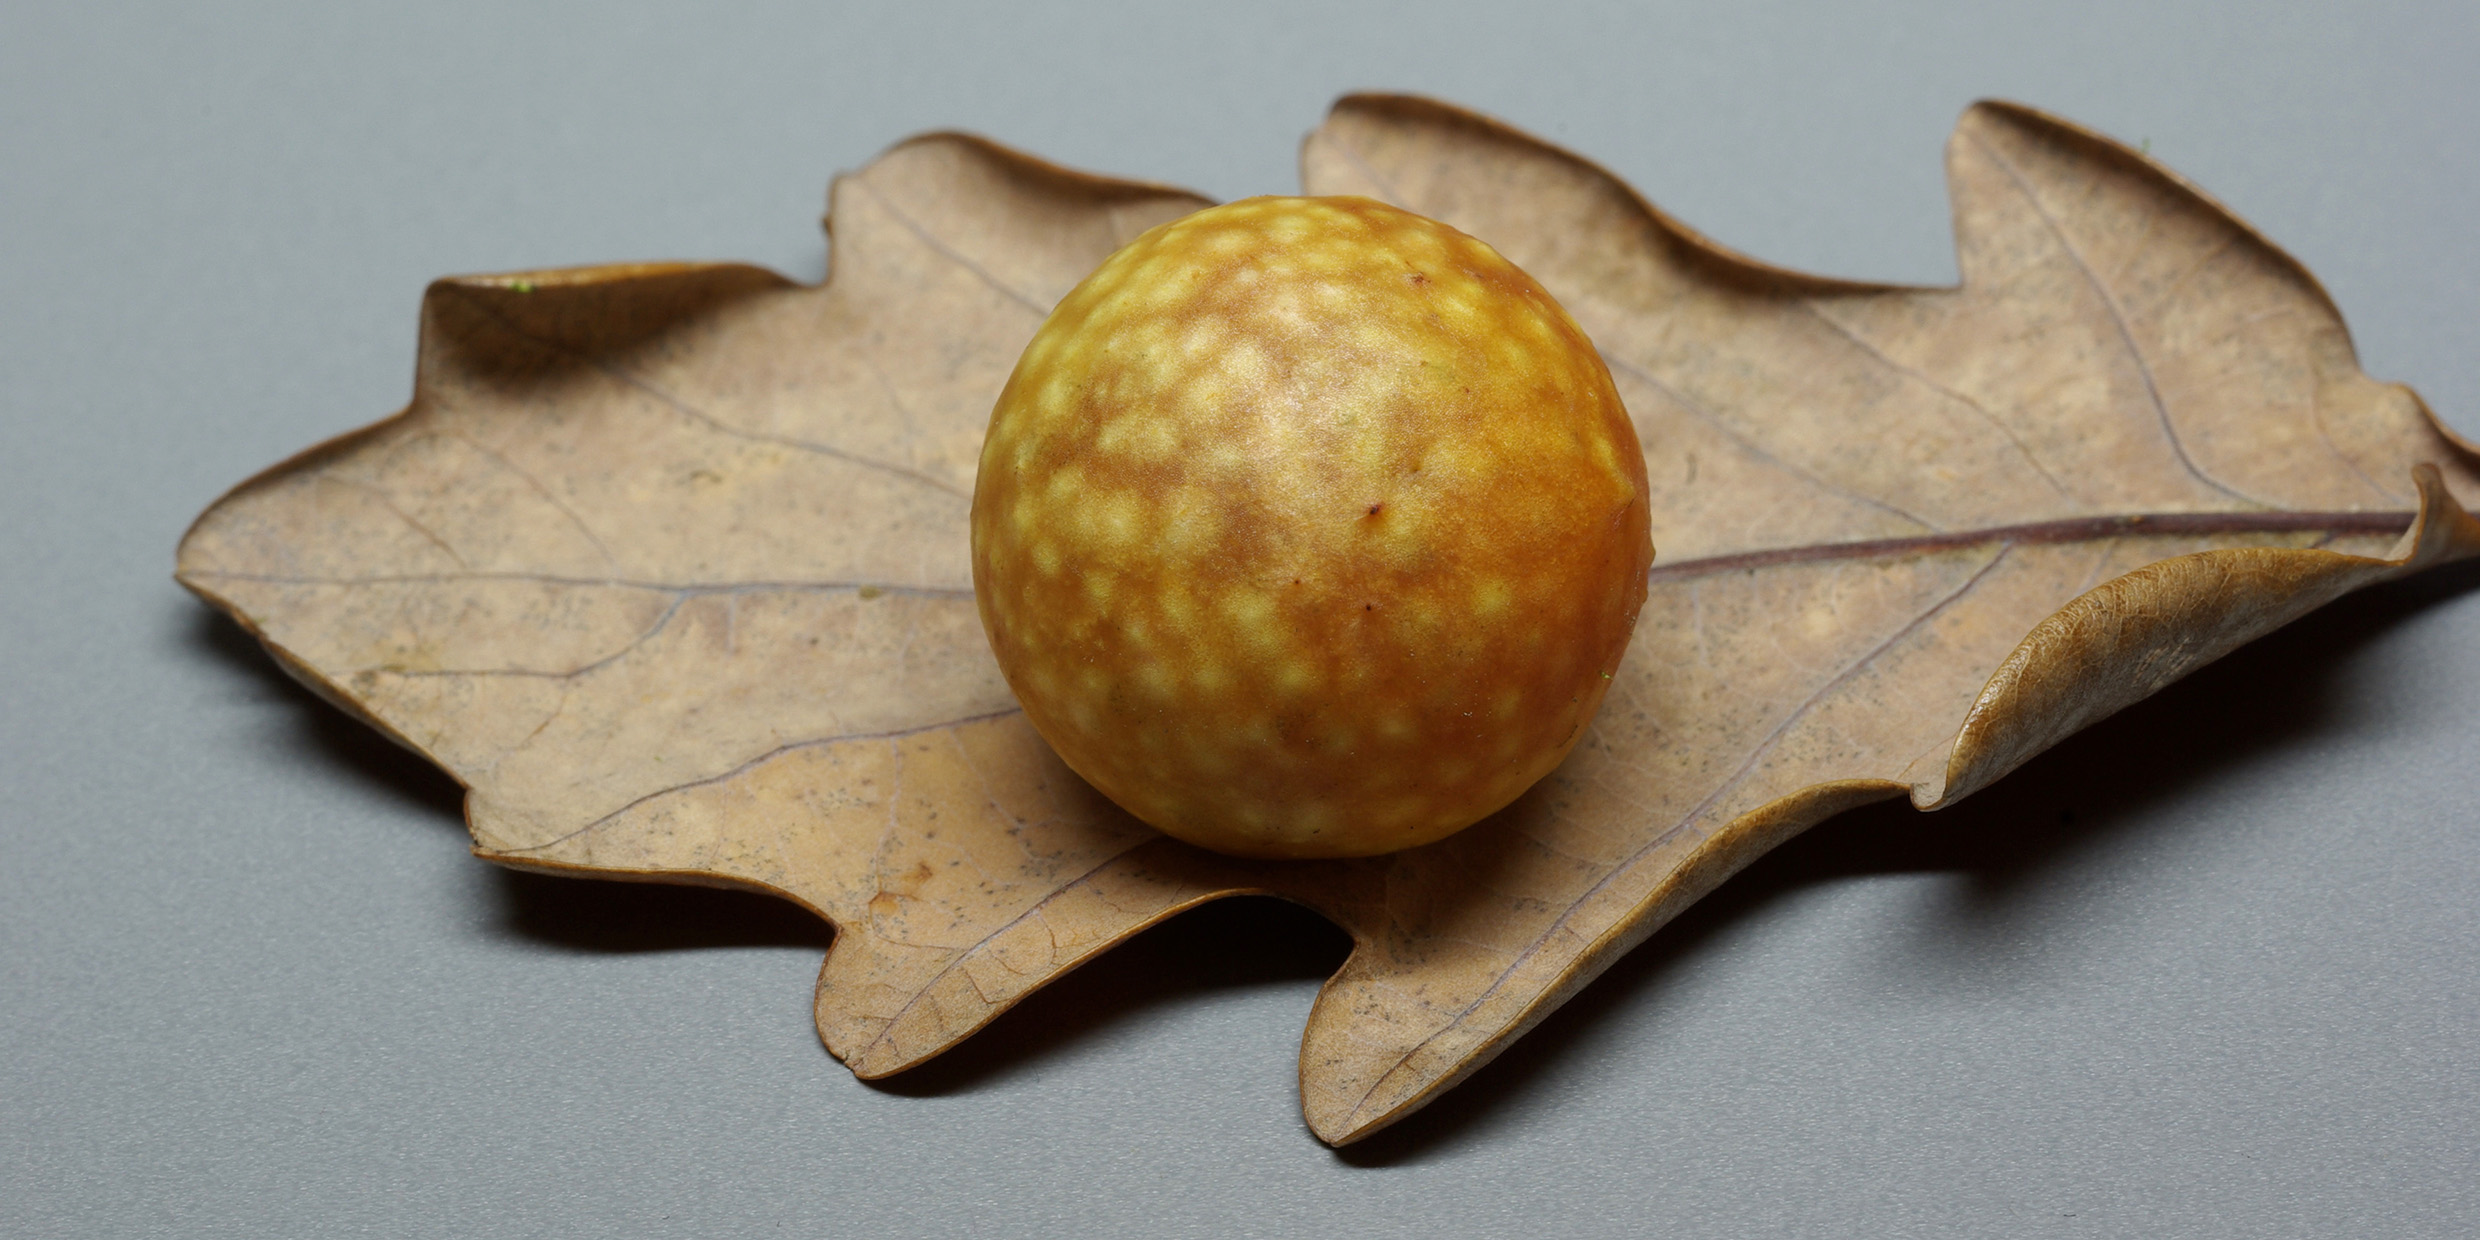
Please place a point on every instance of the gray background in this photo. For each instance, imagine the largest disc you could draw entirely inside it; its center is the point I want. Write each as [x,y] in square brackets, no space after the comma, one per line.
[2207,970]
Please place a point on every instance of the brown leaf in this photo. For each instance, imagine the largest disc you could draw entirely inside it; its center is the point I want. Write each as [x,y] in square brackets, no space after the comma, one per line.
[667,563]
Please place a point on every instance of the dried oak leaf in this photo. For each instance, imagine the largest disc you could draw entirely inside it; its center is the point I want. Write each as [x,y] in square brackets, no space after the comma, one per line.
[667,564]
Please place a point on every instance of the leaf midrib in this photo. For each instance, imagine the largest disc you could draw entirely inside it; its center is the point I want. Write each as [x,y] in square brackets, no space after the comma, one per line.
[2065,530]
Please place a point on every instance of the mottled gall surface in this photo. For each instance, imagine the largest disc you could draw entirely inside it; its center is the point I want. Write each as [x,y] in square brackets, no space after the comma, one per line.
[1310,527]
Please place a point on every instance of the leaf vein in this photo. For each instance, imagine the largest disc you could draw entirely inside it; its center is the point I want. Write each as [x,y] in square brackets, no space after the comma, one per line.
[661,622]
[753,763]
[2118,321]
[1924,379]
[599,583]
[1712,419]
[677,404]
[527,476]
[2069,530]
[375,491]
[943,250]
[1385,185]
[958,961]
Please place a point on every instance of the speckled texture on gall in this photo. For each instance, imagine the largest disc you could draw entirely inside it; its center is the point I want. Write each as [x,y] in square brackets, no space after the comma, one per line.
[1310,527]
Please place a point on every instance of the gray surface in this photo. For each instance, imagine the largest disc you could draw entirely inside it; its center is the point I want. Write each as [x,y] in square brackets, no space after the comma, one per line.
[2208,971]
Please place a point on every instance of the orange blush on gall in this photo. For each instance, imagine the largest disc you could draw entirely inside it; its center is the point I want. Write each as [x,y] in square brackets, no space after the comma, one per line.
[1309,527]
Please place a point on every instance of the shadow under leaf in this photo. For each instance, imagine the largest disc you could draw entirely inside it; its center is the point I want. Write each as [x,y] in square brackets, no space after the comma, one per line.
[589,915]
[1226,945]
[573,914]
[346,743]
[2076,800]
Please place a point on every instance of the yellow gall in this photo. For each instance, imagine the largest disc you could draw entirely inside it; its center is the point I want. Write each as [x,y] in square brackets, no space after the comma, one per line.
[1309,527]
